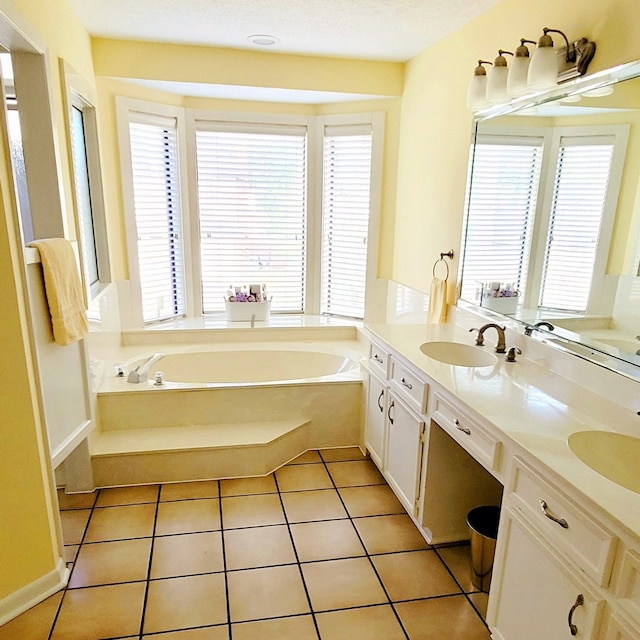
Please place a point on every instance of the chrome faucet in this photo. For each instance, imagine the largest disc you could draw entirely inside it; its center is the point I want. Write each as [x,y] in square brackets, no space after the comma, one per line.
[141,372]
[530,328]
[501,347]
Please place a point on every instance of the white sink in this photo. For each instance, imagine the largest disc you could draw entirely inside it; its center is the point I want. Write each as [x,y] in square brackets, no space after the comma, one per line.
[613,455]
[458,354]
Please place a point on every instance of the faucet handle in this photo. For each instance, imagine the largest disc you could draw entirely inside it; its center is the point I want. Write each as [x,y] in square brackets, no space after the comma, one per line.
[511,354]
[479,337]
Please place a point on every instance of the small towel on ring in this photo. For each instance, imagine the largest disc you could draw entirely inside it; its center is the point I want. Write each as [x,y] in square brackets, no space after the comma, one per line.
[64,290]
[437,302]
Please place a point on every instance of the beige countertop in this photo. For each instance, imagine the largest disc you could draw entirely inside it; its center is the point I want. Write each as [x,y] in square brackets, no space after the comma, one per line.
[534,407]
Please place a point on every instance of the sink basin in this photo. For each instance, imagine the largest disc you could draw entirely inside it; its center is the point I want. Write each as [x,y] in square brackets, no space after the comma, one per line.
[458,354]
[613,455]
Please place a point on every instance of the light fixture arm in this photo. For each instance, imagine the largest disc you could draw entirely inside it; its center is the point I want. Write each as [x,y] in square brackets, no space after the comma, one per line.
[571,54]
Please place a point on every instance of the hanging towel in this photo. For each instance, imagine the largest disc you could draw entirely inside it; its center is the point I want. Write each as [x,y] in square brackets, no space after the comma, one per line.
[437,301]
[63,289]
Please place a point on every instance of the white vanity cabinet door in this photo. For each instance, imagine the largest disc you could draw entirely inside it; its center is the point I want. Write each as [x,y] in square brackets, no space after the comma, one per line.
[375,431]
[405,434]
[534,595]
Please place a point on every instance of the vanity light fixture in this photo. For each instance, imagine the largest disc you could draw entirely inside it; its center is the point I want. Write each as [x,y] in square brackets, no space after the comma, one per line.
[477,92]
[549,65]
[518,70]
[497,79]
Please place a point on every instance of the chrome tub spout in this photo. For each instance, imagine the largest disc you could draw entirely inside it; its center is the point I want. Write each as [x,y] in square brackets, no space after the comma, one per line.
[141,372]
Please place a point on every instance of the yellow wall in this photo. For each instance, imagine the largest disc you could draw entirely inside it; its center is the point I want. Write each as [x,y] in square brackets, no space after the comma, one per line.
[28,519]
[435,126]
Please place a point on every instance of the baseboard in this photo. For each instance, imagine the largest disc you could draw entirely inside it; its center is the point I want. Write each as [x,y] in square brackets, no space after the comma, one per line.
[34,593]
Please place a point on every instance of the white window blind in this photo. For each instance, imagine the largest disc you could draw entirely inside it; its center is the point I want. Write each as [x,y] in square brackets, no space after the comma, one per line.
[345,219]
[156,190]
[252,201]
[500,205]
[580,190]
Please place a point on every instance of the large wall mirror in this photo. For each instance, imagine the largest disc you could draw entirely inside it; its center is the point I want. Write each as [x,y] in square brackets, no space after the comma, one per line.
[552,222]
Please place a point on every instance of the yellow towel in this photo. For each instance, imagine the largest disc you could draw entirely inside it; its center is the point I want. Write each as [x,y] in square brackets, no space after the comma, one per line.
[437,302]
[63,289]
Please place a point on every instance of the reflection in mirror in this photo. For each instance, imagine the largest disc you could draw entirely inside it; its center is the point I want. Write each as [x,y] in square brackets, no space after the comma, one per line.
[553,213]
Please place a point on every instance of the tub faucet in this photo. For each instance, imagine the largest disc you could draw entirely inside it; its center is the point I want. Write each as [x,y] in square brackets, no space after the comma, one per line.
[530,328]
[141,372]
[501,347]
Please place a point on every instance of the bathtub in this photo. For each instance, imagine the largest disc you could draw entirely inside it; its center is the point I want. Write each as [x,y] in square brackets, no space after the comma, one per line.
[226,410]
[249,364]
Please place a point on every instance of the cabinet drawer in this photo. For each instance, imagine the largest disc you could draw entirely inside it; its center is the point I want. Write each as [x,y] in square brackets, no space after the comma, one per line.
[478,441]
[379,359]
[570,530]
[409,387]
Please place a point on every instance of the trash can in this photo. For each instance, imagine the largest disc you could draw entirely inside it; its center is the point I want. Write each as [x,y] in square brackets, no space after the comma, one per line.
[483,523]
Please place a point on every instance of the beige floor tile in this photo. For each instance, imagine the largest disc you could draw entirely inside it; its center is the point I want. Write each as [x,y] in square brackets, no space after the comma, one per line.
[266,593]
[376,500]
[187,554]
[120,523]
[33,624]
[73,525]
[340,584]
[366,623]
[303,477]
[306,506]
[480,601]
[189,490]
[69,552]
[298,628]
[248,486]
[308,457]
[413,575]
[188,516]
[345,453]
[100,612]
[442,619]
[328,540]
[252,511]
[386,534]
[354,474]
[180,603]
[258,547]
[111,562]
[458,560]
[204,633]
[76,500]
[127,495]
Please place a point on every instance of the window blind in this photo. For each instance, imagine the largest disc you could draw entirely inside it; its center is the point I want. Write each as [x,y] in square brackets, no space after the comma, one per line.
[500,205]
[346,189]
[156,190]
[580,190]
[252,201]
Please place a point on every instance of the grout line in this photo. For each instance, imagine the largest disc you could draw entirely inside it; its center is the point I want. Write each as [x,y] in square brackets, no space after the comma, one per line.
[295,551]
[368,555]
[224,564]
[146,588]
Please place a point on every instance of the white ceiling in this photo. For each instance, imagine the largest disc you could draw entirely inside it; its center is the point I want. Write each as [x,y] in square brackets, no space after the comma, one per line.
[389,30]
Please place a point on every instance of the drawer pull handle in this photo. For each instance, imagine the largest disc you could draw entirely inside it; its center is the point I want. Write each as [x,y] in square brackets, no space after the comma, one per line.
[377,358]
[578,603]
[380,398]
[545,509]
[389,412]
[406,384]
[466,430]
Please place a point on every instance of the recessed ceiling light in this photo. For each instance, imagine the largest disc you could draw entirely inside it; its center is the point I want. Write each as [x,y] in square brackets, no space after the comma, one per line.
[262,40]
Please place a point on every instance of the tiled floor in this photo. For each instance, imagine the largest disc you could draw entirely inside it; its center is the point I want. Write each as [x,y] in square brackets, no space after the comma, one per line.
[321,549]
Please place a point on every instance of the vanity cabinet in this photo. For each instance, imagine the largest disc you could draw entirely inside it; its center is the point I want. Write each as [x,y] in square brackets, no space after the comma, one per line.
[405,437]
[534,593]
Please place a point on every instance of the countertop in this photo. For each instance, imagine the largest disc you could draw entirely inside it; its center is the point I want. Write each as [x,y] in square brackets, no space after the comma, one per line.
[532,406]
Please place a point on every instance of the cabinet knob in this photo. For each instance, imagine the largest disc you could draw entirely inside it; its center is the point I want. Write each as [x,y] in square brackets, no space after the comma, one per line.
[545,509]
[578,603]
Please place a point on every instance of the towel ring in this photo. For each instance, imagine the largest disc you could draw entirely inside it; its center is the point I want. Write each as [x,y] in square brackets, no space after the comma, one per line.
[446,264]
